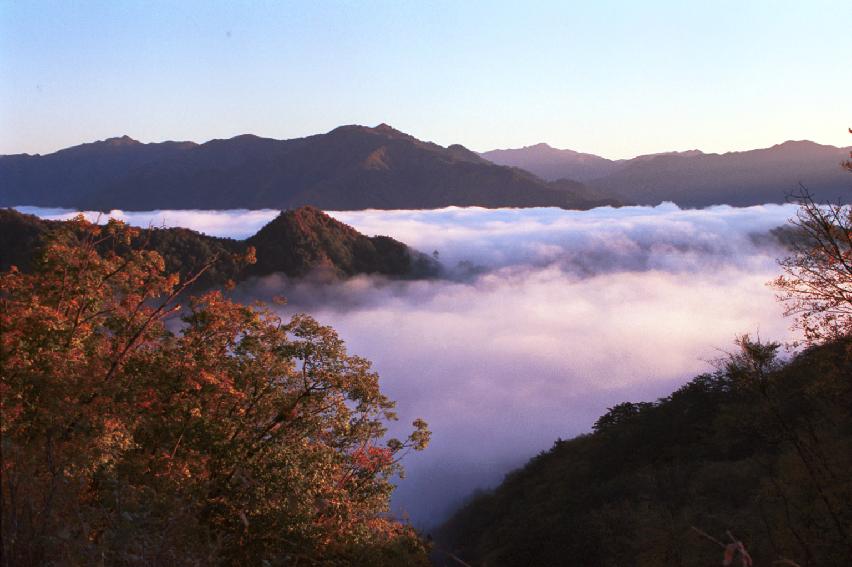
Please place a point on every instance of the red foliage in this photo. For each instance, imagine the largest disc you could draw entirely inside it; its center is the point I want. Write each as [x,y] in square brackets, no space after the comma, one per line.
[131,436]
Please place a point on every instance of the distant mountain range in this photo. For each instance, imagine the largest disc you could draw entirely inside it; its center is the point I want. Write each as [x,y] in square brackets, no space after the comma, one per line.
[693,178]
[552,163]
[295,243]
[349,168]
[357,167]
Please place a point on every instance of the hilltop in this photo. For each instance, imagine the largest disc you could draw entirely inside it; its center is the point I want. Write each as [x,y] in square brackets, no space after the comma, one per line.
[295,243]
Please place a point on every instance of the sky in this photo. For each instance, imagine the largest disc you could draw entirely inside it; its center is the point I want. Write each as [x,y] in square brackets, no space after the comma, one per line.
[544,319]
[613,78]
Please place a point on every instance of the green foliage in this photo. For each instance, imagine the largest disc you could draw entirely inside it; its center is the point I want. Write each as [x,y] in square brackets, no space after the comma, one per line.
[759,447]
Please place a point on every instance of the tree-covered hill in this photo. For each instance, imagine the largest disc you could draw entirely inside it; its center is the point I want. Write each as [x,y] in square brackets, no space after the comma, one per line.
[760,448]
[294,243]
[753,461]
[306,238]
[141,427]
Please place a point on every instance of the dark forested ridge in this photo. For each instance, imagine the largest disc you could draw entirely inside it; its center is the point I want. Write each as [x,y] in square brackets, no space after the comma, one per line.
[351,167]
[759,448]
[298,241]
[294,243]
[694,178]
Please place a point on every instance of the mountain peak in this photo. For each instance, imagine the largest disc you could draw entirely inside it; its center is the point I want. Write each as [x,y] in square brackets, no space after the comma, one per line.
[676,153]
[124,140]
[460,152]
[551,163]
[387,130]
[795,144]
[385,127]
[109,144]
[300,240]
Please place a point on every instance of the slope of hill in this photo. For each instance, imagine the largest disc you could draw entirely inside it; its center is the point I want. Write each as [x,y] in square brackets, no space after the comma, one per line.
[759,448]
[294,243]
[693,178]
[351,167]
[298,241]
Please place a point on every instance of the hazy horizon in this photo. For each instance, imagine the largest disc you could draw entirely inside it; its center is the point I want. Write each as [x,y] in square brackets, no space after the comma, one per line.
[480,151]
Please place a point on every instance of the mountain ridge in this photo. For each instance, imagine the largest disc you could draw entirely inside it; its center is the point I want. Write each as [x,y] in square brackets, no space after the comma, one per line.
[295,243]
[350,167]
[693,178]
[355,167]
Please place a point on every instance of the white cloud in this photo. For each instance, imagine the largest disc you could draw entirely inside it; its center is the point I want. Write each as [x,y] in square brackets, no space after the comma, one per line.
[504,365]
[237,223]
[572,313]
[568,313]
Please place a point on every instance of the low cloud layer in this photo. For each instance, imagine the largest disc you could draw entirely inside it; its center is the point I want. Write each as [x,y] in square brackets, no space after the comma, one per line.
[604,239]
[547,317]
[237,223]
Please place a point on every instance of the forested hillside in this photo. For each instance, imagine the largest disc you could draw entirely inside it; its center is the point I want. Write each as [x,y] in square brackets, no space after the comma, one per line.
[141,427]
[294,243]
[759,447]
[750,462]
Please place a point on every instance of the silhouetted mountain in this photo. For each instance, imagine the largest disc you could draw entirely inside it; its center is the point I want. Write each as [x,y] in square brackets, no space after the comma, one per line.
[552,163]
[735,178]
[351,167]
[693,178]
[294,243]
[63,178]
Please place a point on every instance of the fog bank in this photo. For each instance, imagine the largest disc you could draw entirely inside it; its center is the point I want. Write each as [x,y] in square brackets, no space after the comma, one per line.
[234,223]
[546,318]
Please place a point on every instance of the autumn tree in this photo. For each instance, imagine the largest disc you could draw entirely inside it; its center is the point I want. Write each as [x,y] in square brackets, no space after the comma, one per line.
[143,428]
[816,286]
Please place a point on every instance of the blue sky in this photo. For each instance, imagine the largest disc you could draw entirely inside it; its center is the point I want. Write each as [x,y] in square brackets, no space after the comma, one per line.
[613,78]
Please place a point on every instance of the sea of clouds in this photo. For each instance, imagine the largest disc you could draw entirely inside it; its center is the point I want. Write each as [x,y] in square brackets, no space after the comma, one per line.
[544,319]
